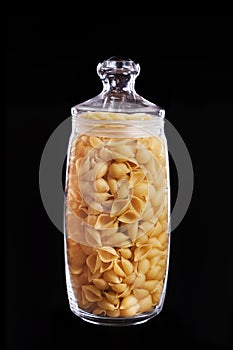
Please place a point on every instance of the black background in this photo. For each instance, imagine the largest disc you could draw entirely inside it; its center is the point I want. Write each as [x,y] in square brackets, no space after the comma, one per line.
[186,67]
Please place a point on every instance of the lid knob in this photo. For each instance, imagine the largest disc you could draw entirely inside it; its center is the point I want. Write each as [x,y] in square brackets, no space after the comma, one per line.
[118,65]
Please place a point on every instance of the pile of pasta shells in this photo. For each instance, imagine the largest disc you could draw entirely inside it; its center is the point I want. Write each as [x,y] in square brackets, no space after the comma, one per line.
[117,223]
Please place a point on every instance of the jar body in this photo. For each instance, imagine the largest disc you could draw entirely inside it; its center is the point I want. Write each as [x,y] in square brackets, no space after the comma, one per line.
[117,210]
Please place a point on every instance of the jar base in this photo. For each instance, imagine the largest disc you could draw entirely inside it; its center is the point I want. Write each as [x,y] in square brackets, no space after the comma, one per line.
[116,321]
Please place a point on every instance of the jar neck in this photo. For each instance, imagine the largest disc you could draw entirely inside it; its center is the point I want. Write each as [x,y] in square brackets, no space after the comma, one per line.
[120,84]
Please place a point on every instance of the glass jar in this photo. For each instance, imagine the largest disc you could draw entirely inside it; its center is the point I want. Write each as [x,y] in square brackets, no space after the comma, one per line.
[117,203]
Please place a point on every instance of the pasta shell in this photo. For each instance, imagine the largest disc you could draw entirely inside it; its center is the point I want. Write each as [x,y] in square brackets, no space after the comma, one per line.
[143,266]
[156,144]
[164,214]
[91,293]
[132,164]
[157,293]
[78,164]
[139,281]
[118,240]
[93,238]
[84,166]
[105,221]
[74,227]
[141,240]
[85,139]
[86,187]
[158,199]
[145,141]
[160,181]
[101,197]
[123,188]
[105,154]
[118,158]
[148,214]
[100,283]
[133,230]
[107,233]
[76,259]
[140,293]
[162,159]
[107,205]
[127,266]
[91,220]
[136,177]
[119,287]
[94,205]
[149,285]
[132,311]
[152,191]
[74,194]
[113,313]
[89,176]
[112,185]
[106,266]
[87,249]
[90,275]
[75,270]
[84,303]
[141,252]
[125,293]
[92,211]
[95,141]
[155,242]
[105,305]
[156,252]
[99,311]
[141,189]
[78,280]
[118,269]
[156,273]
[119,206]
[128,302]
[156,260]
[125,253]
[73,204]
[73,183]
[143,155]
[111,276]
[127,151]
[112,142]
[145,304]
[153,167]
[117,170]
[156,230]
[130,278]
[81,213]
[70,243]
[101,185]
[128,216]
[146,226]
[93,262]
[101,169]
[163,239]
[112,297]
[137,204]
[164,174]
[107,254]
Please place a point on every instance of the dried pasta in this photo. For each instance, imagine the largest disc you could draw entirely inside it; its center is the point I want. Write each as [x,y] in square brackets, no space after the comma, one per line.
[117,232]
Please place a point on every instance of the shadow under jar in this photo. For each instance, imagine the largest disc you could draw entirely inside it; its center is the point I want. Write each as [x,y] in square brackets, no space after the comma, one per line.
[117,203]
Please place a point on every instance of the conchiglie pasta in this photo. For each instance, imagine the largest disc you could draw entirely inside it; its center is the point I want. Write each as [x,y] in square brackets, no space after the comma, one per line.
[117,231]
